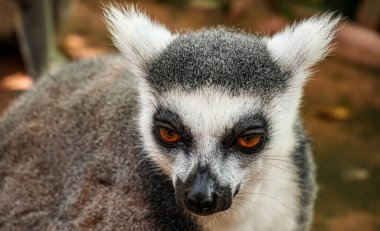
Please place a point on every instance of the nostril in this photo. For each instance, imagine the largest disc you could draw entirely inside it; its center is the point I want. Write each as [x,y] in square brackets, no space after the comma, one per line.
[237,189]
[191,200]
[201,202]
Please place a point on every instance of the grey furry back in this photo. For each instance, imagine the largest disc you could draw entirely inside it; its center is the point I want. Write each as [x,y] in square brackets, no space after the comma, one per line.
[70,159]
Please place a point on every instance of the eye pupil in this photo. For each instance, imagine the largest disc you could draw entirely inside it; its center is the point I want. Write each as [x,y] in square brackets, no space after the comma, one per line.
[248,138]
[249,141]
[169,136]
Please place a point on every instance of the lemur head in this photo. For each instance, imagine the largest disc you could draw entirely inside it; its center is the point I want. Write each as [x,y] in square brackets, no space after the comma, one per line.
[215,102]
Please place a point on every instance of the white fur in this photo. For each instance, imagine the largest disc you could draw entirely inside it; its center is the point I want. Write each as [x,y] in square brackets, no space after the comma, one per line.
[208,112]
[302,45]
[297,48]
[275,178]
[136,36]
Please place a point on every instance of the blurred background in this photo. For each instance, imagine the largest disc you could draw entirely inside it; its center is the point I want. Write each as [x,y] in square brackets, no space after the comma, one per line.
[341,107]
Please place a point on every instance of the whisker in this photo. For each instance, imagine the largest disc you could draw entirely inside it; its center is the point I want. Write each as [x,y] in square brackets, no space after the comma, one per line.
[281,168]
[245,199]
[166,164]
[287,161]
[257,179]
[236,210]
[282,156]
[255,206]
[290,165]
[263,194]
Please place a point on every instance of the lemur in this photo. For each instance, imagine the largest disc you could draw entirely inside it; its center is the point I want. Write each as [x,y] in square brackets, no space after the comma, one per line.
[181,131]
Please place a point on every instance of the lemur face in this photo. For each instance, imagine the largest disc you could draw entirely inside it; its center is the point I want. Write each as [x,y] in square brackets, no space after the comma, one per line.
[208,117]
[209,143]
[216,103]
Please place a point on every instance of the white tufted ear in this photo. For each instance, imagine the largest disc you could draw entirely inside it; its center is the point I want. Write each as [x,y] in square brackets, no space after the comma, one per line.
[300,46]
[135,35]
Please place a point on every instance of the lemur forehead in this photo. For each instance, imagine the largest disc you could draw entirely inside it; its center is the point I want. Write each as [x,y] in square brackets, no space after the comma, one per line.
[232,61]
[207,110]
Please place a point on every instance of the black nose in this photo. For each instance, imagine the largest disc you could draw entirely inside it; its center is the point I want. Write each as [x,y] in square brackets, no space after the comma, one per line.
[201,202]
[201,198]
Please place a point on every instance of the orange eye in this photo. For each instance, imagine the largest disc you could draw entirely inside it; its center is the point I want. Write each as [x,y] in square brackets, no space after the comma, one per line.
[249,141]
[169,135]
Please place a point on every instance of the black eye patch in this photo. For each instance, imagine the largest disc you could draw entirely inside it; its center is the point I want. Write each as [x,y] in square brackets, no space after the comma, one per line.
[248,124]
[168,117]
[171,120]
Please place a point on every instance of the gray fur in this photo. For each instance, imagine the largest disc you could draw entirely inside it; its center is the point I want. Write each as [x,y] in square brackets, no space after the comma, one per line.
[70,159]
[218,57]
[302,157]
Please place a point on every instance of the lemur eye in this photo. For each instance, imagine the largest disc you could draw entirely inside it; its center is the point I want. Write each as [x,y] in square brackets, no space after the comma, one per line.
[249,141]
[169,136]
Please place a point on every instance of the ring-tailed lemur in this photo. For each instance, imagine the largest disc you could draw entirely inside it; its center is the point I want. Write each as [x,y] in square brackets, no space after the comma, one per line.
[195,131]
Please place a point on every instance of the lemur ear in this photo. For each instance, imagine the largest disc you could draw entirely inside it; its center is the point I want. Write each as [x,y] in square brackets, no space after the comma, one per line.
[135,35]
[300,46]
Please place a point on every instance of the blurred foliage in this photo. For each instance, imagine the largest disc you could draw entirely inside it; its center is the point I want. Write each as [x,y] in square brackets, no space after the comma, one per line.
[178,3]
[286,7]
[346,8]
[220,5]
